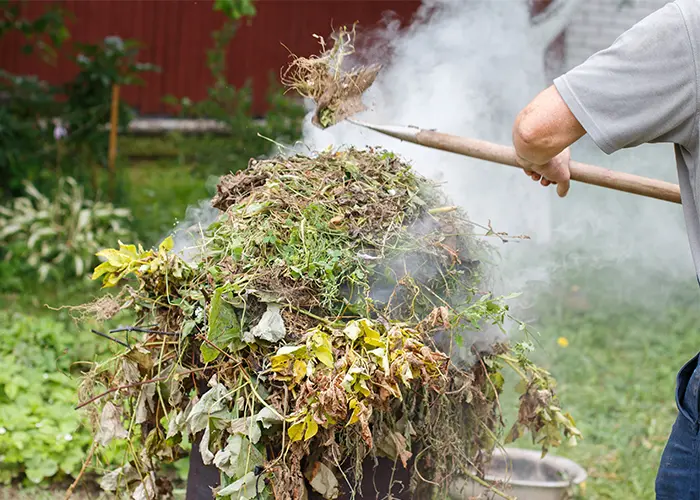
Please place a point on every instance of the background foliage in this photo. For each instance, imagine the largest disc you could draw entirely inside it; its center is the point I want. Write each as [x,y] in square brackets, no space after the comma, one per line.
[34,108]
[54,215]
[41,436]
[235,9]
[59,237]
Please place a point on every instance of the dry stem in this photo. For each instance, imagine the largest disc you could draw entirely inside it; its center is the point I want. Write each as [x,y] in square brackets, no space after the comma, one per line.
[88,459]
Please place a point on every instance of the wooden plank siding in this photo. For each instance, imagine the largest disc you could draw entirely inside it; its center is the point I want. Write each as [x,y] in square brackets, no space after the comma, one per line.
[176,34]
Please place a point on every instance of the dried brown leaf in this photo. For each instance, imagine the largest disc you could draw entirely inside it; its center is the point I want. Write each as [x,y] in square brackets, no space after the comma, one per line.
[110,425]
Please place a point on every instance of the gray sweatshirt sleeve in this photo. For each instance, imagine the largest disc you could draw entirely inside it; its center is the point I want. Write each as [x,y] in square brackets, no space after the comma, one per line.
[641,89]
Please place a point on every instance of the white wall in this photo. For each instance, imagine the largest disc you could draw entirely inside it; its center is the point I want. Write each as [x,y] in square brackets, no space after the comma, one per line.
[597,24]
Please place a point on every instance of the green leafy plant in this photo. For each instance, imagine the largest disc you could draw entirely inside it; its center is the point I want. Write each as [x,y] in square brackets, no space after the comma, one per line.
[27,145]
[59,236]
[235,9]
[34,109]
[89,95]
[41,435]
[50,24]
[231,106]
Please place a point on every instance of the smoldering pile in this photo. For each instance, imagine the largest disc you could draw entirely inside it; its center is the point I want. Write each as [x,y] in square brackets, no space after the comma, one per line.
[275,348]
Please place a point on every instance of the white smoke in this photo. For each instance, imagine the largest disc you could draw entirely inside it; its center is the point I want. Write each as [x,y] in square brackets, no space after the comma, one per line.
[467,70]
[467,67]
[188,233]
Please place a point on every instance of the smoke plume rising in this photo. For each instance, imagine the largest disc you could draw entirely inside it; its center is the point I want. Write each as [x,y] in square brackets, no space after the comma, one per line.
[467,67]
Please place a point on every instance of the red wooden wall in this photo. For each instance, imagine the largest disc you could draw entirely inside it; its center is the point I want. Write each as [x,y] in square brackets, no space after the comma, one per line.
[176,35]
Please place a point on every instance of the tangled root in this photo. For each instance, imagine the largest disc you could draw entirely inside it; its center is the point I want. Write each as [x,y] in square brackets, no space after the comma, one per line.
[100,309]
[337,93]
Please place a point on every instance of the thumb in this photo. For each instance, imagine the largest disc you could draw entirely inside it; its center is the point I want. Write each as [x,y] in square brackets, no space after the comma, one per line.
[562,188]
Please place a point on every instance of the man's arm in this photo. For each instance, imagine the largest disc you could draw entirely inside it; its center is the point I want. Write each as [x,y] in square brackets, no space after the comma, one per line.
[542,134]
[545,128]
[641,89]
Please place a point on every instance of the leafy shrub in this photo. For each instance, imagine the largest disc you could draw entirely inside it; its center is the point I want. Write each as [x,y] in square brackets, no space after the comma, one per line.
[41,435]
[26,145]
[235,9]
[51,24]
[232,106]
[88,96]
[11,277]
[28,148]
[59,237]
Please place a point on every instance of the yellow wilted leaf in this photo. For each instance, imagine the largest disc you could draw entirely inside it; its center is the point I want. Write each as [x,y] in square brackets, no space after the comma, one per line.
[321,348]
[356,411]
[311,428]
[364,324]
[372,336]
[297,350]
[361,387]
[111,280]
[129,250]
[166,245]
[299,370]
[280,362]
[103,268]
[115,257]
[119,263]
[296,431]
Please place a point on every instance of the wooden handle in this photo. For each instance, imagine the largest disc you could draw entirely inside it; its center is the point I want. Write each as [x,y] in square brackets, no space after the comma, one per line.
[114,124]
[581,172]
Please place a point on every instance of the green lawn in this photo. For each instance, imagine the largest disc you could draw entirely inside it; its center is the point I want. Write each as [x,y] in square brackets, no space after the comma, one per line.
[160,194]
[617,377]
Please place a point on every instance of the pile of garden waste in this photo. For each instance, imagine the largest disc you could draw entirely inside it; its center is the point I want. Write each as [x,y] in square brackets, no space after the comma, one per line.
[326,318]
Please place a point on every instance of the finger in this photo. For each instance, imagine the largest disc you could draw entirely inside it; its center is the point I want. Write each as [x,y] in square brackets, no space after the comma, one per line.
[535,176]
[545,182]
[563,189]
